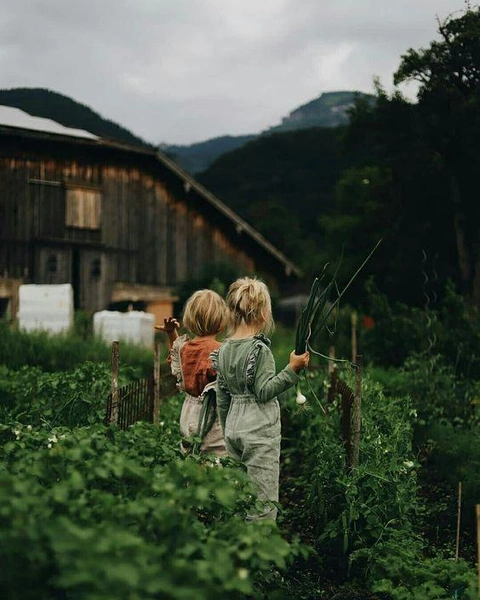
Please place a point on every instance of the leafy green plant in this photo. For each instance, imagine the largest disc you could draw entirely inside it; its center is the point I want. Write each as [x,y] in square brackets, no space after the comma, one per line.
[356,518]
[401,567]
[63,398]
[357,509]
[102,513]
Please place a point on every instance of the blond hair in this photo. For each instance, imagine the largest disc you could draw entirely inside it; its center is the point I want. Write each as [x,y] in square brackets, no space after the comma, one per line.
[205,313]
[248,301]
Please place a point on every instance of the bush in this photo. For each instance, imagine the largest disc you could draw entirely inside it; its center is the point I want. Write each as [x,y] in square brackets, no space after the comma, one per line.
[72,399]
[447,328]
[400,567]
[108,514]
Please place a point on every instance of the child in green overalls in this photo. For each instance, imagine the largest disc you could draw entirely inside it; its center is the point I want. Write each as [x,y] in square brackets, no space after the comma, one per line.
[247,389]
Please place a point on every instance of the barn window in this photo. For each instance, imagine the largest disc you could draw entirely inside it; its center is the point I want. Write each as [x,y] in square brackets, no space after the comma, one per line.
[83,208]
[96,269]
[52,263]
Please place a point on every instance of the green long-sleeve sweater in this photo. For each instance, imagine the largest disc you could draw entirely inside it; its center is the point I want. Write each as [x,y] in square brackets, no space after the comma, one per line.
[247,366]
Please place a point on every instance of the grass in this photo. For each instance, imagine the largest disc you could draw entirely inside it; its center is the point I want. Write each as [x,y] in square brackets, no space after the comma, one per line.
[63,352]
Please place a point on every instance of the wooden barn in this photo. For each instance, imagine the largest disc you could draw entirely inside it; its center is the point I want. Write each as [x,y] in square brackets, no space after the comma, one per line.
[118,222]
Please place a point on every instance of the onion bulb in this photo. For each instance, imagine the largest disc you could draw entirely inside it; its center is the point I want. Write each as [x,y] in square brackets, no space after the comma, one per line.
[300,399]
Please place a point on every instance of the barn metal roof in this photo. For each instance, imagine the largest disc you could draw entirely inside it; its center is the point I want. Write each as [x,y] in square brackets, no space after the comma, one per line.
[14,117]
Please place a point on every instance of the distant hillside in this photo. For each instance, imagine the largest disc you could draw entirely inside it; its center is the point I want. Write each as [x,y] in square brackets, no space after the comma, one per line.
[195,158]
[282,183]
[40,102]
[328,110]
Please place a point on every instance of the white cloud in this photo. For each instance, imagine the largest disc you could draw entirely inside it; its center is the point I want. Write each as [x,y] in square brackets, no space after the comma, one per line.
[186,70]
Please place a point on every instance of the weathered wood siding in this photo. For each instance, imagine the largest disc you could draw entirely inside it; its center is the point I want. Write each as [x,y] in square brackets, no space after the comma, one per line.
[95,222]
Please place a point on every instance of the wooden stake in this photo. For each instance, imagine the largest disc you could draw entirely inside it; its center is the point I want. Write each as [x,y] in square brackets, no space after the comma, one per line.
[115,362]
[354,334]
[156,382]
[356,413]
[459,514]
[478,547]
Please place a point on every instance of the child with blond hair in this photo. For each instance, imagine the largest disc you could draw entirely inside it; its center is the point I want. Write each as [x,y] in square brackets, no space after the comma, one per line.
[248,386]
[205,315]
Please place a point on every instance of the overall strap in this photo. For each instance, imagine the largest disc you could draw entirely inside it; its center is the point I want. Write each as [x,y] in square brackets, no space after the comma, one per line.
[208,413]
[251,365]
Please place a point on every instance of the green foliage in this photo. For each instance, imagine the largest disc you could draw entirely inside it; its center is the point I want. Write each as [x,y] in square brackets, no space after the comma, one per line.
[65,398]
[448,101]
[102,513]
[288,179]
[445,328]
[361,216]
[397,330]
[406,201]
[401,567]
[283,340]
[83,324]
[452,62]
[357,517]
[453,451]
[356,509]
[438,394]
[64,352]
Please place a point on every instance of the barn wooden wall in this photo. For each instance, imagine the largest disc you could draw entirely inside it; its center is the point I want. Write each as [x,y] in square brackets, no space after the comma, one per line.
[149,234]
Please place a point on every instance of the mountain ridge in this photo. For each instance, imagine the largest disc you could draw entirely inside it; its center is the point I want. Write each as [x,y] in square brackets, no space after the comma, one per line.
[330,109]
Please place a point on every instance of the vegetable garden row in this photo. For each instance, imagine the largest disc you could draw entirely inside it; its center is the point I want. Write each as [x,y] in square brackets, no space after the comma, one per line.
[91,511]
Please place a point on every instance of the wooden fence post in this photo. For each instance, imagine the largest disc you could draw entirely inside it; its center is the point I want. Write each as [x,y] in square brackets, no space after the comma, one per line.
[115,362]
[356,414]
[354,334]
[459,518]
[478,546]
[156,382]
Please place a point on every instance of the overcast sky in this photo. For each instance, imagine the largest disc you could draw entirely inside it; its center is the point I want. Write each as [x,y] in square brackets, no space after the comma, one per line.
[181,71]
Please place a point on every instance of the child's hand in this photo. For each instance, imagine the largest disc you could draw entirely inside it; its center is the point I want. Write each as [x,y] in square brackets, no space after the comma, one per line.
[170,326]
[298,362]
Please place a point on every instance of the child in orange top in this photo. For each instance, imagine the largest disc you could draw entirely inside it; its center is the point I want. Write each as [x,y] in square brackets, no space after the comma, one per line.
[205,316]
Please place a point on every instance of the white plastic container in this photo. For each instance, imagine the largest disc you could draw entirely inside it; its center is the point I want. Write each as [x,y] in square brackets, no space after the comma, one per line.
[45,307]
[135,327]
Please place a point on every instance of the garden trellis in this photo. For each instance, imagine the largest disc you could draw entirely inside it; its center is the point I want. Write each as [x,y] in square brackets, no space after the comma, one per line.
[138,400]
[134,402]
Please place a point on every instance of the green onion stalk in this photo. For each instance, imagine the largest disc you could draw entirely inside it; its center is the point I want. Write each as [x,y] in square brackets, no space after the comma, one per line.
[315,316]
[319,307]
